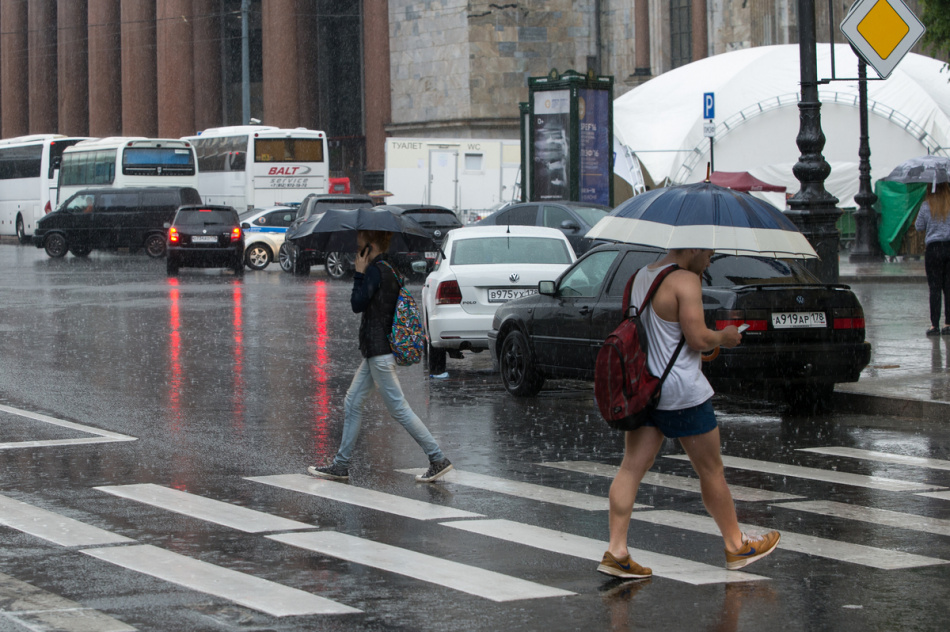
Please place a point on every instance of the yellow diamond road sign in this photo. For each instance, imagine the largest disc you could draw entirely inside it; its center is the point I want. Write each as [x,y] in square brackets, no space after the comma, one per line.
[882,31]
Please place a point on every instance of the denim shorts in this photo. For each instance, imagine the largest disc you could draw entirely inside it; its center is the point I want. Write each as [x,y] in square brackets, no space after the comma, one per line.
[687,422]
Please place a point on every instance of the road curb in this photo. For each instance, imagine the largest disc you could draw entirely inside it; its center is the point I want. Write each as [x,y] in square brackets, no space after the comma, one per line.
[877,405]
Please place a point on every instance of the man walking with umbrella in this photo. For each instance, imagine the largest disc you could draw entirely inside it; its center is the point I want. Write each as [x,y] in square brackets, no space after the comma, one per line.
[374,294]
[684,412]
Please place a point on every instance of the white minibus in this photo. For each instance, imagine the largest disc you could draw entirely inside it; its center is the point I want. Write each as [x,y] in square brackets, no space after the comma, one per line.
[29,172]
[255,166]
[127,162]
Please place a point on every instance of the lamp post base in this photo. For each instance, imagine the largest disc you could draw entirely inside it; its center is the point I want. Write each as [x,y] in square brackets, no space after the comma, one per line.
[819,225]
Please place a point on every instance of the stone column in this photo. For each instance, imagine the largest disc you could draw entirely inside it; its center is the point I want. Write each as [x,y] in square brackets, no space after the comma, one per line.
[377,90]
[73,67]
[175,68]
[206,21]
[641,41]
[41,66]
[139,92]
[14,96]
[307,75]
[698,23]
[105,77]
[279,35]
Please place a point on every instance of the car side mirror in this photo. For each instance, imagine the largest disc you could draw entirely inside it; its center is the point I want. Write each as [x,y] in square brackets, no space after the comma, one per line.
[569,225]
[245,225]
[420,267]
[548,288]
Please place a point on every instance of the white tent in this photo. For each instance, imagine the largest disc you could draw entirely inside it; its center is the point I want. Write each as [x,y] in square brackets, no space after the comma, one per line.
[757,117]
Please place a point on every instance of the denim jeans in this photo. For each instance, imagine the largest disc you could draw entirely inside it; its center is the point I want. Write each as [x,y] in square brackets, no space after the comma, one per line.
[380,372]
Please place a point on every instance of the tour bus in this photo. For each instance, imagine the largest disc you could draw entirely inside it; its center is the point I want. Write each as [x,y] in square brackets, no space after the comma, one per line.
[256,166]
[127,162]
[29,173]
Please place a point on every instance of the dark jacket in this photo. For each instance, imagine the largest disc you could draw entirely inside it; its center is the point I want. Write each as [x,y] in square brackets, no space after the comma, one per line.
[374,295]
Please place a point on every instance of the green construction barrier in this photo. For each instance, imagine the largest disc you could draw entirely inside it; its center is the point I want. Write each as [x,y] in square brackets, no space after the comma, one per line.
[897,206]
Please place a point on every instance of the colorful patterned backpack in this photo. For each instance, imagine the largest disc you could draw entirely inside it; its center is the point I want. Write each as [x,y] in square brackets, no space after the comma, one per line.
[407,338]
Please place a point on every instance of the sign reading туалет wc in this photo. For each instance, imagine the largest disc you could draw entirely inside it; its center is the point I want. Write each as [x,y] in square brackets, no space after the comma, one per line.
[882,31]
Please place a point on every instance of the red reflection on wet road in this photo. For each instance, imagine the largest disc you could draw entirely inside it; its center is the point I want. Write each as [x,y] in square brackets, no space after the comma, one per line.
[174,349]
[318,369]
[237,390]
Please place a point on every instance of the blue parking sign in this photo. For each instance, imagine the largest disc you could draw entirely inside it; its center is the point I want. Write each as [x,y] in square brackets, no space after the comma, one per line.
[709,105]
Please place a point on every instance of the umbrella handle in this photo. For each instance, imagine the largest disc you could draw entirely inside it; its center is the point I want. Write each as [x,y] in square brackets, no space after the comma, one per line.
[712,355]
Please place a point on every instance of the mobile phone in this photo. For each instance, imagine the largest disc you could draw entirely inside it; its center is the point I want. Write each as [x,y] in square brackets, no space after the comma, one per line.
[365,250]
[743,327]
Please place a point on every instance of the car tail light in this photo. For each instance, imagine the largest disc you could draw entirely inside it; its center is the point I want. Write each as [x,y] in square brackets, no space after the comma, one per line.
[448,293]
[173,235]
[47,208]
[235,233]
[757,320]
[848,318]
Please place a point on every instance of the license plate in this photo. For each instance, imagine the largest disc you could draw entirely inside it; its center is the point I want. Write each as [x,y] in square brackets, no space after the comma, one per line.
[204,239]
[790,320]
[500,295]
[431,255]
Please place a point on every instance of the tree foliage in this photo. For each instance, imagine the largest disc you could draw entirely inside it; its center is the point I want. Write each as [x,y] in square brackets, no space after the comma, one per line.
[935,14]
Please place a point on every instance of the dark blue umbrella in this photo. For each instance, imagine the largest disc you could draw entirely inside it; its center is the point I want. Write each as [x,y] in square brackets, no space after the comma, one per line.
[335,231]
[704,215]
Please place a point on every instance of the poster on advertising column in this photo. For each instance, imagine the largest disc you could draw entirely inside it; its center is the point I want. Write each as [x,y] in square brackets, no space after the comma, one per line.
[593,113]
[550,167]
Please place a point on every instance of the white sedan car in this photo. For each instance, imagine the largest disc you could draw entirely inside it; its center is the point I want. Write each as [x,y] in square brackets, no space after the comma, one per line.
[480,268]
[264,231]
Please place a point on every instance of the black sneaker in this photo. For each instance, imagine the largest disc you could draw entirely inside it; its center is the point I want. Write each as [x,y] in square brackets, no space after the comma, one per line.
[436,470]
[333,472]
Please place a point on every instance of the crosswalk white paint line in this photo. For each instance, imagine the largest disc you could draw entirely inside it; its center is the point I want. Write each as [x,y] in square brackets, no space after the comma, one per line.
[810,545]
[52,526]
[519,489]
[670,481]
[250,591]
[885,517]
[461,577]
[816,474]
[100,436]
[216,511]
[666,566]
[881,457]
[938,495]
[362,497]
[32,608]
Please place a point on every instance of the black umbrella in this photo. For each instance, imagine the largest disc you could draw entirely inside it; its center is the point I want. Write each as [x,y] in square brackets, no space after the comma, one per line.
[335,231]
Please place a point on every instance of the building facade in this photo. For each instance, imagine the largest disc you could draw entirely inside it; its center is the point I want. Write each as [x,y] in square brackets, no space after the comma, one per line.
[360,70]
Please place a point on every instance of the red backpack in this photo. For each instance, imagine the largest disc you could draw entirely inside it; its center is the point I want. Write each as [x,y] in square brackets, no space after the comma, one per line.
[624,389]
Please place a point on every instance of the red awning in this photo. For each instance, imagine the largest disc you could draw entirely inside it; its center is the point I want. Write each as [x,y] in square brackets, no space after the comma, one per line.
[742,181]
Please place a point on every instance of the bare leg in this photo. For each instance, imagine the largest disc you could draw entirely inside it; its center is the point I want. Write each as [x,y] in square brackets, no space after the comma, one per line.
[703,452]
[640,449]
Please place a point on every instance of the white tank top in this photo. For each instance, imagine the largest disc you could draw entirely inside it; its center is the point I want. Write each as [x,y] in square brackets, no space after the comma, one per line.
[685,386]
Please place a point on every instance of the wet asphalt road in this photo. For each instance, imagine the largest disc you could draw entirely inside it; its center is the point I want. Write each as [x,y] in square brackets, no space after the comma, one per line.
[219,379]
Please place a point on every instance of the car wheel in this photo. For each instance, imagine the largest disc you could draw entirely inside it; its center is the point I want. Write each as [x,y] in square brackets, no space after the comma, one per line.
[257,257]
[171,266]
[21,230]
[336,265]
[155,246]
[55,245]
[285,258]
[435,358]
[517,368]
[80,251]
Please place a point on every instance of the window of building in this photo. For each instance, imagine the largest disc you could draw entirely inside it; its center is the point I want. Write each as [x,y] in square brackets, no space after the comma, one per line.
[681,34]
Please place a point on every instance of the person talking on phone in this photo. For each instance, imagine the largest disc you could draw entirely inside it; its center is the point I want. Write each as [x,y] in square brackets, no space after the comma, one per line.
[374,294]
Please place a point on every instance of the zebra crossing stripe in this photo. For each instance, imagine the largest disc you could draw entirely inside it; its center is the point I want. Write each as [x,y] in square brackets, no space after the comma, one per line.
[100,436]
[363,497]
[249,591]
[53,527]
[885,517]
[810,545]
[32,608]
[667,566]
[881,457]
[519,489]
[462,577]
[937,495]
[216,511]
[670,481]
[816,474]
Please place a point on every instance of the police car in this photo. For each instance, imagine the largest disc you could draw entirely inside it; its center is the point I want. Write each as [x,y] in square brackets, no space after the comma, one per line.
[264,231]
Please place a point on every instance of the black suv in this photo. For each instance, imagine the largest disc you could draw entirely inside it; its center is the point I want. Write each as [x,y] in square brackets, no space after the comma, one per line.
[112,218]
[311,209]
[205,237]
[437,220]
[573,219]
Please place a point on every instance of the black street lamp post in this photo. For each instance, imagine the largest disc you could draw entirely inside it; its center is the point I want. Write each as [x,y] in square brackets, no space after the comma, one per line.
[866,247]
[813,209]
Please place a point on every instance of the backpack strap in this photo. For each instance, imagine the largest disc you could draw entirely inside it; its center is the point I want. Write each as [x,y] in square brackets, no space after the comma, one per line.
[649,297]
[398,276]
